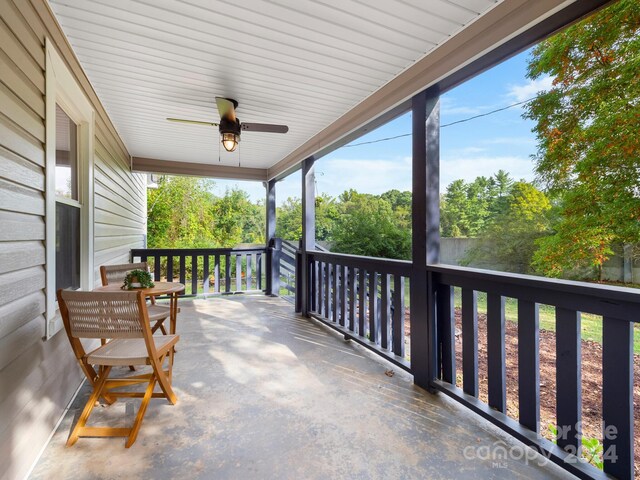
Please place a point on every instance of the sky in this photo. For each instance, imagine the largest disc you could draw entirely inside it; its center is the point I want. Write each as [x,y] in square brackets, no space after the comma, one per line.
[481,146]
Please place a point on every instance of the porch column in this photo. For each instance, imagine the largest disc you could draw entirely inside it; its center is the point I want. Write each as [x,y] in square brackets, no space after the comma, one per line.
[308,230]
[273,244]
[425,233]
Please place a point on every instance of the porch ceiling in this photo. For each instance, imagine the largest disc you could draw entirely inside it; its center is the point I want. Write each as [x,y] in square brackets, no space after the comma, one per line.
[301,64]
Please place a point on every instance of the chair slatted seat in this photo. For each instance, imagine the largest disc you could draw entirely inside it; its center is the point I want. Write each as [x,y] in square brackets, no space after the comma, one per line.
[122,317]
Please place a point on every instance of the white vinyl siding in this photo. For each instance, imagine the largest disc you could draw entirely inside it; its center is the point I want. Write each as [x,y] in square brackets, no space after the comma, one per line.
[37,377]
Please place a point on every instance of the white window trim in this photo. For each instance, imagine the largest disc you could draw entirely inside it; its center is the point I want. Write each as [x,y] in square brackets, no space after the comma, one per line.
[62,89]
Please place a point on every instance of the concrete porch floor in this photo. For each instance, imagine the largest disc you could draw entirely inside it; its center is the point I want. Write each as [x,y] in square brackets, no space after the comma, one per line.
[265,394]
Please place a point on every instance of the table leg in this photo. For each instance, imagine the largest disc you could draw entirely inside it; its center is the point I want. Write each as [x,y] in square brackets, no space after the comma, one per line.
[173,313]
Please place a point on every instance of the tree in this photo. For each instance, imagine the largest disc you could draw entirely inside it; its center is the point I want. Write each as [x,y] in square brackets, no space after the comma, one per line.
[467,208]
[510,239]
[178,213]
[237,220]
[366,226]
[184,213]
[289,218]
[587,128]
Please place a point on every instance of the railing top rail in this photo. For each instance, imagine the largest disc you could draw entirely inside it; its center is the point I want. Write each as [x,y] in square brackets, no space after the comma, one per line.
[621,302]
[383,265]
[194,251]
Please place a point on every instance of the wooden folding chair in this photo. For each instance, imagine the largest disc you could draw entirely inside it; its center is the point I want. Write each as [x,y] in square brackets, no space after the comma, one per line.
[122,317]
[116,274]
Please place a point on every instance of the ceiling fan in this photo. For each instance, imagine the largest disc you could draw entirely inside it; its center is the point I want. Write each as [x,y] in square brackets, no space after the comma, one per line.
[230,126]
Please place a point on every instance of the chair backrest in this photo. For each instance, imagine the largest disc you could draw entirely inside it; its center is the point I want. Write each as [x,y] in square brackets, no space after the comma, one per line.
[104,314]
[117,273]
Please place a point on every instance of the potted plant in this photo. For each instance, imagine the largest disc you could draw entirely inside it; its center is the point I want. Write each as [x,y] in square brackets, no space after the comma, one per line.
[137,279]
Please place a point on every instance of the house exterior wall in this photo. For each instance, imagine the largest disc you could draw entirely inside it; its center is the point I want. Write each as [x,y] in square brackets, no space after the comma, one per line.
[37,377]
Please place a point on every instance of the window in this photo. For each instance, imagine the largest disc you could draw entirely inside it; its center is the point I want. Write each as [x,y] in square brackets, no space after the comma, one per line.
[69,186]
[68,206]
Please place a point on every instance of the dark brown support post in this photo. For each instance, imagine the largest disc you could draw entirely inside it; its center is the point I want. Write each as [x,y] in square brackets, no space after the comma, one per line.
[425,233]
[308,230]
[273,248]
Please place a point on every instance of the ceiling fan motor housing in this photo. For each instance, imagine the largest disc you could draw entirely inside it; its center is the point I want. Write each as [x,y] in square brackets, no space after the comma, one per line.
[228,126]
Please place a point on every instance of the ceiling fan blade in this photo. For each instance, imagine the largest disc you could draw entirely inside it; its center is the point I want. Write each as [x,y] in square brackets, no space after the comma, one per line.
[227,108]
[195,122]
[264,127]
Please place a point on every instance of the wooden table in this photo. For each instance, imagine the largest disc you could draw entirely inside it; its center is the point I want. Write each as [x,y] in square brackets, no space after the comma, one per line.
[160,288]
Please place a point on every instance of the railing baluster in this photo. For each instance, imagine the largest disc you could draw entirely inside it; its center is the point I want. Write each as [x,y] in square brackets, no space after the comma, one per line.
[183,269]
[470,341]
[157,274]
[528,365]
[327,290]
[259,271]
[238,272]
[617,396]
[342,292]
[353,277]
[374,324]
[496,352]
[249,271]
[216,273]
[320,305]
[362,301]
[334,293]
[205,274]
[568,375]
[169,268]
[313,284]
[227,273]
[385,310]
[398,315]
[194,274]
[446,332]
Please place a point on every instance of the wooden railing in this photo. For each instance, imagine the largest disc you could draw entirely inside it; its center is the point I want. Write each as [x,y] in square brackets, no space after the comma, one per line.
[207,271]
[288,268]
[619,308]
[363,298]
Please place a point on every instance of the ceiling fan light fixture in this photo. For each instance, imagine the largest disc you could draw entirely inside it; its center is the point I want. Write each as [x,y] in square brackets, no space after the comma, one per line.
[230,141]
[229,133]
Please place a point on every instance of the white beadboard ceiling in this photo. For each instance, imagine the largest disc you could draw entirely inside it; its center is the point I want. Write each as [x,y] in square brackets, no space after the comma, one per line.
[297,62]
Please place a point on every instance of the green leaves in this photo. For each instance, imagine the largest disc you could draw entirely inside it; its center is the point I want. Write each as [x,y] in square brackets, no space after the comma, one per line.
[587,128]
[467,209]
[509,239]
[183,212]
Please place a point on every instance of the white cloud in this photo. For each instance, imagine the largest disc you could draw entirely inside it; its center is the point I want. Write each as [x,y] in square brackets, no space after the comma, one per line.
[523,92]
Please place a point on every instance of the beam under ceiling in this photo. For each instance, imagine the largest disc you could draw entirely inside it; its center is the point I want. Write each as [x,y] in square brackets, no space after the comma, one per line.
[167,167]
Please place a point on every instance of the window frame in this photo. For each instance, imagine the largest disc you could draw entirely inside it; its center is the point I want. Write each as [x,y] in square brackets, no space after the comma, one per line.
[62,89]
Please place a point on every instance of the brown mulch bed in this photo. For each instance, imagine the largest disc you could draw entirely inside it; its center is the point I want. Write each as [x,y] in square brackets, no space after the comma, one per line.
[591,378]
